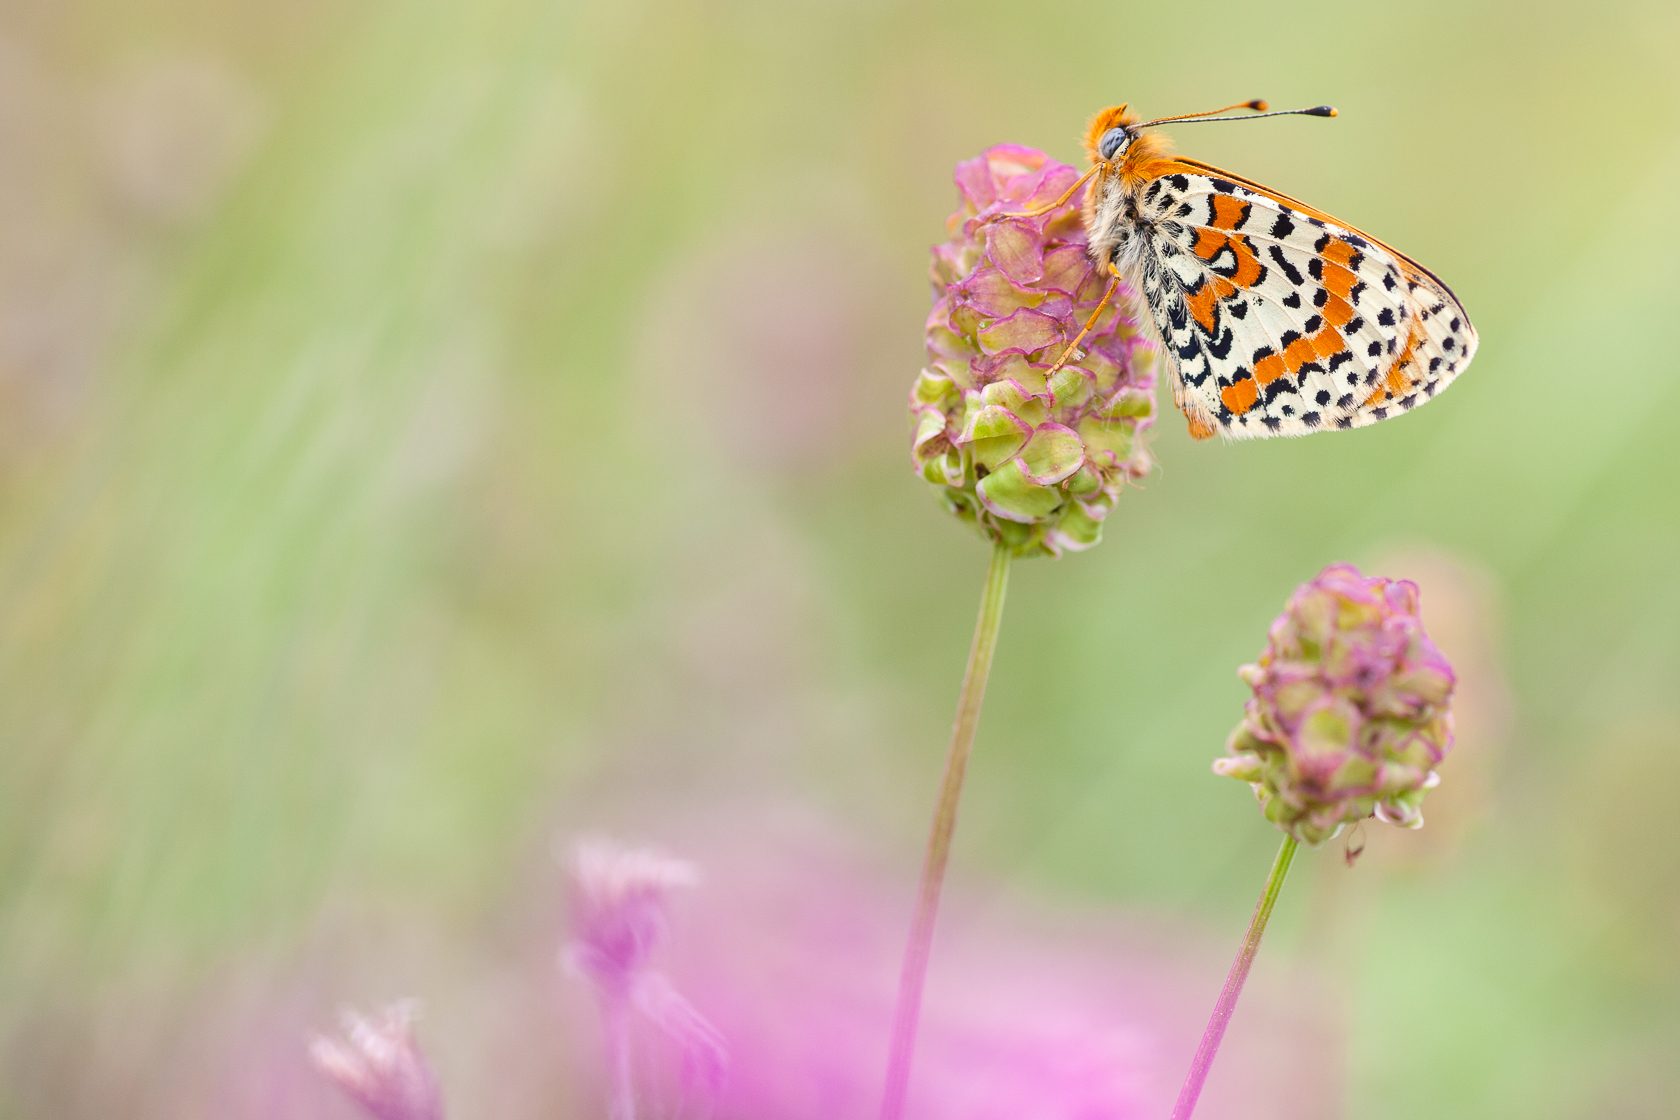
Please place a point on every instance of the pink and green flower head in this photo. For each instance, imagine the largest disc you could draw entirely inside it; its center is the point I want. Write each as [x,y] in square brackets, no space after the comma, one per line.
[1350,714]
[1035,459]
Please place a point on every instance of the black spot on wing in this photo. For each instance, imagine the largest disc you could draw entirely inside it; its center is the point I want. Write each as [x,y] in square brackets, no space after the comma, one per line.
[1222,348]
[1289,270]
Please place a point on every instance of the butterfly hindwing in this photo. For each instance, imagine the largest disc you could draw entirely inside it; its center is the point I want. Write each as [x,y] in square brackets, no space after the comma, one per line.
[1278,320]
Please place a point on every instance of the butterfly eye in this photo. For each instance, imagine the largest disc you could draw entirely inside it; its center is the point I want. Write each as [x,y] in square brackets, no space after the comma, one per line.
[1112,141]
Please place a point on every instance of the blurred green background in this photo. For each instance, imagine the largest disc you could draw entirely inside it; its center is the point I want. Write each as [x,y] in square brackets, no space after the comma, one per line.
[431,427]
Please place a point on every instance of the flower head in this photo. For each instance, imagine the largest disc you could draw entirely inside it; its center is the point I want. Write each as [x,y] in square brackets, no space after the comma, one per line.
[1350,714]
[618,909]
[1034,460]
[380,1066]
[618,899]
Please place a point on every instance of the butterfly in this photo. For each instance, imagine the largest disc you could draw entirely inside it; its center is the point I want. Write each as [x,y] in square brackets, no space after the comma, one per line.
[1274,318]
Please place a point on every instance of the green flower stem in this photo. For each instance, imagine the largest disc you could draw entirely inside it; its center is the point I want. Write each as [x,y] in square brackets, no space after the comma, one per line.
[1233,985]
[914,974]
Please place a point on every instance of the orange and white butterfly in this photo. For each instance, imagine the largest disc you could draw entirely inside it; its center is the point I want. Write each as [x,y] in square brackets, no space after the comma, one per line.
[1274,318]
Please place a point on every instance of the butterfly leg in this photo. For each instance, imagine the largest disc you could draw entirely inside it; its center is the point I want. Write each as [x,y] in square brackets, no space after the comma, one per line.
[1043,210]
[1108,294]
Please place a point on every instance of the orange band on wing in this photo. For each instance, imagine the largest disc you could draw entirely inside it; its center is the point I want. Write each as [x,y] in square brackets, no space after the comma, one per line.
[1339,252]
[1210,243]
[1205,299]
[1239,396]
[1298,354]
[1338,281]
[1228,211]
[1268,369]
[1327,342]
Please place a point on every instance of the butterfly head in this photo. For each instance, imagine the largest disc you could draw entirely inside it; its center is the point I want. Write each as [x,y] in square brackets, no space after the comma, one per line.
[1110,133]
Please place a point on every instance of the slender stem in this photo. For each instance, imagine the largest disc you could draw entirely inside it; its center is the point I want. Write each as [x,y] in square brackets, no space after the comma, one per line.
[914,974]
[1233,985]
[616,1016]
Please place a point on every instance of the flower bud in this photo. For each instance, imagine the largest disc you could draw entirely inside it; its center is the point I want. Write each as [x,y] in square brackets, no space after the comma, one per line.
[1035,460]
[1349,716]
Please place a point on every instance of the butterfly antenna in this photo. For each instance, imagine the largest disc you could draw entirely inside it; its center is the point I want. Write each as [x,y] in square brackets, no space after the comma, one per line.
[1259,108]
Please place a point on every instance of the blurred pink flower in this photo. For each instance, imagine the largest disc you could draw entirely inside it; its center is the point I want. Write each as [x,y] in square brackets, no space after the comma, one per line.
[380,1067]
[792,952]
[619,897]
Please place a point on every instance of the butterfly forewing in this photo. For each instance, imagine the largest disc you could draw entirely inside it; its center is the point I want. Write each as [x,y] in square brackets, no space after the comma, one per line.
[1282,321]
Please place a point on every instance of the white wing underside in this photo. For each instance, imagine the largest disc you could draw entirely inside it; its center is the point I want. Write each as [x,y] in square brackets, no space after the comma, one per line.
[1274,322]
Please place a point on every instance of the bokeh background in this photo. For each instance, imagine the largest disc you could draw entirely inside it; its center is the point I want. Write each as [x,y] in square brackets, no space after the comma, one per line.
[433,430]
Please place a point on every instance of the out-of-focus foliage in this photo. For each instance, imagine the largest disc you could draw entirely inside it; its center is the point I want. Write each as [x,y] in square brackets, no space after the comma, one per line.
[428,428]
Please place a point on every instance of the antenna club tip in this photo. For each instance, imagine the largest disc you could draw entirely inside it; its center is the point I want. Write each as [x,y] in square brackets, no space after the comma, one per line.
[1326,111]
[1258,106]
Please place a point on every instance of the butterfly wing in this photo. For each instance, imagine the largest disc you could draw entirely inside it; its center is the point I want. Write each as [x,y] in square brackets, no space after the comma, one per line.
[1277,319]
